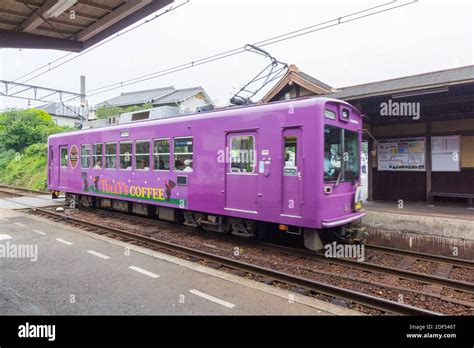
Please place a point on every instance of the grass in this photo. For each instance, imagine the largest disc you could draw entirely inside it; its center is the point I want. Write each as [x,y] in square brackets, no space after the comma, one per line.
[27,169]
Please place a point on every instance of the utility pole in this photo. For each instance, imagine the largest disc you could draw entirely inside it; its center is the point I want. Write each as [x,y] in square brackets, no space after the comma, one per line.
[84,105]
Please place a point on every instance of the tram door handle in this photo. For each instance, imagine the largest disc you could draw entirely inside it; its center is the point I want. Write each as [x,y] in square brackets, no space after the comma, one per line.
[299,176]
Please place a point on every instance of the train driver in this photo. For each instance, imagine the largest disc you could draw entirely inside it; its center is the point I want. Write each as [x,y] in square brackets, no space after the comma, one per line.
[328,168]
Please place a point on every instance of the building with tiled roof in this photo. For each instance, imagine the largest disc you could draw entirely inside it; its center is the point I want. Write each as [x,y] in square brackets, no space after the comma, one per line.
[65,115]
[187,99]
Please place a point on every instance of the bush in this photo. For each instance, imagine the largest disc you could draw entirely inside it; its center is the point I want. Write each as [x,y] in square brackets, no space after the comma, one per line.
[23,147]
[27,169]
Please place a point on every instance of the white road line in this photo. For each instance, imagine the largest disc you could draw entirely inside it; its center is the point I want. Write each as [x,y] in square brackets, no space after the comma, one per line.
[95,253]
[149,274]
[5,237]
[212,298]
[19,224]
[64,241]
[39,232]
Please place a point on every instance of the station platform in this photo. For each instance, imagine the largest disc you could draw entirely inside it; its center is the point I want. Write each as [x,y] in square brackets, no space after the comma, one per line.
[75,272]
[440,229]
[38,201]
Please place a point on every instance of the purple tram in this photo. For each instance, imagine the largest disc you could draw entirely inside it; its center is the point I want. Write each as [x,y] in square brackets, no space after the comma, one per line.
[292,165]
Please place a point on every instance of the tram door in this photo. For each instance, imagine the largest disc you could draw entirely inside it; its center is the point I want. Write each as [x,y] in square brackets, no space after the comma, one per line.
[292,173]
[62,166]
[241,181]
[51,162]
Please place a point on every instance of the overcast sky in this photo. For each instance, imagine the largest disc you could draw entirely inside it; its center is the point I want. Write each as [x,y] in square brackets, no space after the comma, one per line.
[427,36]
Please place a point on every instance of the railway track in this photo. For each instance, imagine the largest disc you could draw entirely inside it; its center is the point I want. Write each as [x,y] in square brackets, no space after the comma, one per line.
[377,303]
[423,256]
[13,190]
[370,267]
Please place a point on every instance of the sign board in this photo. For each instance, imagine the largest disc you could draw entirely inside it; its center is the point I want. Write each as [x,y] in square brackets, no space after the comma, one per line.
[407,154]
[445,153]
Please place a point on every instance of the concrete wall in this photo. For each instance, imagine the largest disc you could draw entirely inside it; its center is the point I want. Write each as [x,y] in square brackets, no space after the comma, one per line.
[425,233]
[192,103]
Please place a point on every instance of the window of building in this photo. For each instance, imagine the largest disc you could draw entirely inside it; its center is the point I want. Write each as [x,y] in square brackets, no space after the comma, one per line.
[161,154]
[142,155]
[63,157]
[111,155]
[183,154]
[85,156]
[242,154]
[97,156]
[125,155]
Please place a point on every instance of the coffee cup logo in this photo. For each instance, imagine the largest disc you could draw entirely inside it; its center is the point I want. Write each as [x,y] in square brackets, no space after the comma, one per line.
[73,156]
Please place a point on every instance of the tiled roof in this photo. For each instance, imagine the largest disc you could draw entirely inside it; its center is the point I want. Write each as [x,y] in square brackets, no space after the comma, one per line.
[138,97]
[314,81]
[179,95]
[157,96]
[60,109]
[431,79]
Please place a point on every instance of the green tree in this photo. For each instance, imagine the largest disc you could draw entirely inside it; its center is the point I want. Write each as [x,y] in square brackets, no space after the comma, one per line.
[22,128]
[23,147]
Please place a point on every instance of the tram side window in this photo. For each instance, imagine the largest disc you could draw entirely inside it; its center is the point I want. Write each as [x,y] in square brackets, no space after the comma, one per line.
[242,154]
[63,157]
[85,156]
[111,155]
[97,156]
[161,154]
[183,154]
[142,155]
[125,155]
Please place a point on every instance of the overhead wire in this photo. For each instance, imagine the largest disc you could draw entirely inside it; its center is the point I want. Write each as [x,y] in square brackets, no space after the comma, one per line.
[381,8]
[270,41]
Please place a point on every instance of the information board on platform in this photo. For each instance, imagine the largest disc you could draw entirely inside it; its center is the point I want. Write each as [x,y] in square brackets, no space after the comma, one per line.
[445,153]
[407,154]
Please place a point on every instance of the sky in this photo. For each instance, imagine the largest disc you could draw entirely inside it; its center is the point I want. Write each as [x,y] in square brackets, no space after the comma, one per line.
[426,36]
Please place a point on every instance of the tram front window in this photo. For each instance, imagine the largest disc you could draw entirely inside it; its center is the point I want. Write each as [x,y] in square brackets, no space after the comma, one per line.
[341,154]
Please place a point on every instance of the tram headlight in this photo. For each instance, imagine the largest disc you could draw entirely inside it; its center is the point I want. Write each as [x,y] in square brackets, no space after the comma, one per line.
[358,198]
[345,114]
